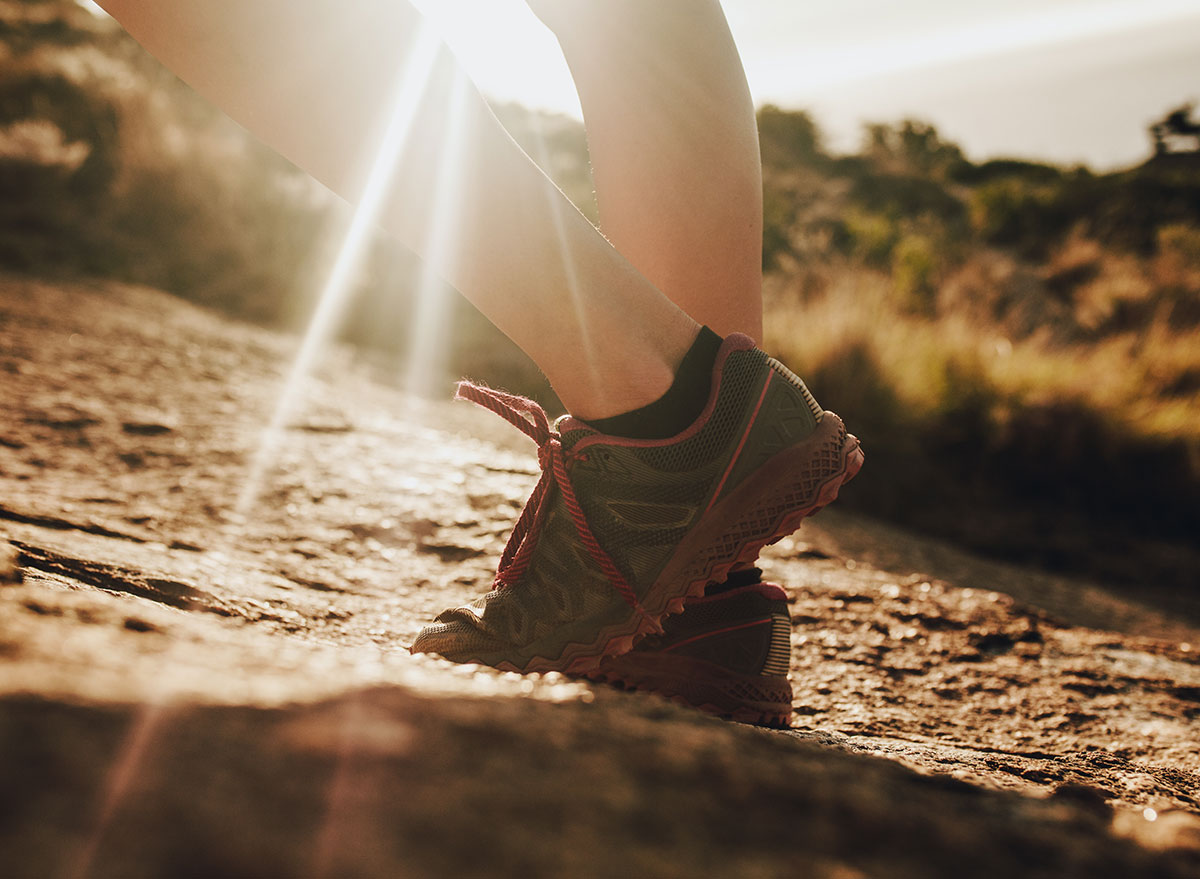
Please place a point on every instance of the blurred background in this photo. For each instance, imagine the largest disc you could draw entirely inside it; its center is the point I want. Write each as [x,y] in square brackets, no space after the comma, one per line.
[982,240]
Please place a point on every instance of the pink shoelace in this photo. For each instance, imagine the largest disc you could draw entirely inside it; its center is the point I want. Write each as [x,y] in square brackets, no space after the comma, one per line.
[530,418]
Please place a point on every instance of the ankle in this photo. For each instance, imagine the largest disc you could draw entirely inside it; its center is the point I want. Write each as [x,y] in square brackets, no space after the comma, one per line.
[626,374]
[679,405]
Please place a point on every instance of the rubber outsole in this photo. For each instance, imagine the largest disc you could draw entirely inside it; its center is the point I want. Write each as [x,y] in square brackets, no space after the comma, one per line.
[762,700]
[769,505]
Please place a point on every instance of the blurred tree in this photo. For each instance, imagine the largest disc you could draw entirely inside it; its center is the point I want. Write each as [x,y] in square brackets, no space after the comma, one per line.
[915,265]
[34,25]
[1174,129]
[79,116]
[911,147]
[779,216]
[788,138]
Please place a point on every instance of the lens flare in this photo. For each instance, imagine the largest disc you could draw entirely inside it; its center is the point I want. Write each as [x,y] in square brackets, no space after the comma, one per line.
[413,82]
[126,765]
[430,325]
[558,203]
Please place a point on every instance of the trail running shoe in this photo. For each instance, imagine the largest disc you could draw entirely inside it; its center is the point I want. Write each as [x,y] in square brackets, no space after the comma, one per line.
[727,654]
[618,532]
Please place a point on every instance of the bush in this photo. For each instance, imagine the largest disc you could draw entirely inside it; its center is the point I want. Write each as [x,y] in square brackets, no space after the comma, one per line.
[868,236]
[79,115]
[904,197]
[1031,219]
[779,216]
[788,138]
[914,274]
[1006,169]
[911,147]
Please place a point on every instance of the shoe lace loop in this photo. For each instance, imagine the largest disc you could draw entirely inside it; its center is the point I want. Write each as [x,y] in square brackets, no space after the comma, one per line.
[530,418]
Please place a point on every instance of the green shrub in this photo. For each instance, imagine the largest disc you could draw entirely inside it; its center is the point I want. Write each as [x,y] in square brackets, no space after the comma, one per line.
[911,147]
[779,217]
[1180,242]
[788,138]
[869,236]
[1006,169]
[907,197]
[915,267]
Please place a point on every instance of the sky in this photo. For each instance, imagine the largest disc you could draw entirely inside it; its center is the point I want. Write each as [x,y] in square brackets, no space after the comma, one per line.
[1068,81]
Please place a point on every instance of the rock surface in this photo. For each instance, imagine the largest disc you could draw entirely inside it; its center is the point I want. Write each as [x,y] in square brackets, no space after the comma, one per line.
[203,673]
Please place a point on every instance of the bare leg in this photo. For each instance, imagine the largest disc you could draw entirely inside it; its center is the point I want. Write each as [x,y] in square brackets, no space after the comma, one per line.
[317,82]
[674,148]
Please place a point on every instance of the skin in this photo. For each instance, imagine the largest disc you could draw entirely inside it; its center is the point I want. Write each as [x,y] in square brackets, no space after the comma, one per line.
[317,86]
[674,148]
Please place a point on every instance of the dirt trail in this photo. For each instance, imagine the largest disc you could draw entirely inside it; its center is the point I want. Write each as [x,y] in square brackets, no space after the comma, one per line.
[185,691]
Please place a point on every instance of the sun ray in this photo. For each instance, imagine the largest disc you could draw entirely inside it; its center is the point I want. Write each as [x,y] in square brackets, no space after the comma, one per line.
[339,798]
[559,203]
[429,331]
[414,80]
[126,764]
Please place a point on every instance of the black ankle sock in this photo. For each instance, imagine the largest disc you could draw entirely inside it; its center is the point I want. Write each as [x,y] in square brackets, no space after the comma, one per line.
[680,405]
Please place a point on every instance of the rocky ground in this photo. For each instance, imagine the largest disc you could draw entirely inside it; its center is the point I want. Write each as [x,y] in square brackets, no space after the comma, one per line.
[203,668]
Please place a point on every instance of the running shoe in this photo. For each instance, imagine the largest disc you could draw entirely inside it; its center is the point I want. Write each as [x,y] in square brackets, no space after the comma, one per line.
[727,654]
[619,532]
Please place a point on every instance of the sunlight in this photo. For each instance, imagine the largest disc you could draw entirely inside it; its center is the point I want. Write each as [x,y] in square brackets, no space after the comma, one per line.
[126,765]
[414,79]
[793,51]
[92,8]
[558,204]
[344,791]
[429,333]
[506,50]
[926,38]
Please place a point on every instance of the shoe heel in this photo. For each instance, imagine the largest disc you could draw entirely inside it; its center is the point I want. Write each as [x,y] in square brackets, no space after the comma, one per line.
[772,503]
[817,412]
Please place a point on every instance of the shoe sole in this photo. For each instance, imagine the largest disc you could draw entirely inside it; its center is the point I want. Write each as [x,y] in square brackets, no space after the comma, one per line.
[766,507]
[763,700]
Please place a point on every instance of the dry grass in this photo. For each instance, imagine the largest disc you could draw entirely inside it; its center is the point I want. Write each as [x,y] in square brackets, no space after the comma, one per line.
[1142,379]
[1053,444]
